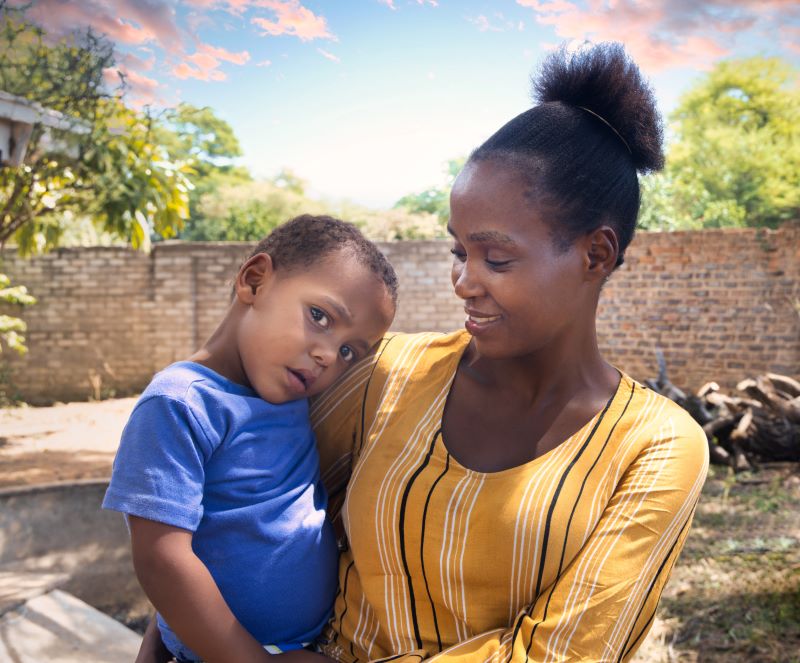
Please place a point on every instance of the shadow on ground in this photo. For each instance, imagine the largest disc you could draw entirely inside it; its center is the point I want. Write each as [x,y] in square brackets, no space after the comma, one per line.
[30,468]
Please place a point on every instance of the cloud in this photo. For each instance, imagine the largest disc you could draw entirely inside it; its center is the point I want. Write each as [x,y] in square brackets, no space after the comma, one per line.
[662,34]
[141,90]
[204,64]
[483,24]
[330,56]
[291,18]
[388,3]
[502,24]
[132,22]
[264,63]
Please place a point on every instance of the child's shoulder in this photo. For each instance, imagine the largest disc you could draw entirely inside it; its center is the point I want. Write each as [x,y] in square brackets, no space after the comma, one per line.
[176,381]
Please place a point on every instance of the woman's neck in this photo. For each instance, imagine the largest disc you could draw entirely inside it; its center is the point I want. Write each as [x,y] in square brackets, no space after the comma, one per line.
[568,366]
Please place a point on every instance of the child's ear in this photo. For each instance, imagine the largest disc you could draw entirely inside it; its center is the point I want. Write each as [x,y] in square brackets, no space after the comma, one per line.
[256,272]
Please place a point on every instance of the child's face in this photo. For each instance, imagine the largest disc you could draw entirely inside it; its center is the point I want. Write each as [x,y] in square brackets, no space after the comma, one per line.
[303,328]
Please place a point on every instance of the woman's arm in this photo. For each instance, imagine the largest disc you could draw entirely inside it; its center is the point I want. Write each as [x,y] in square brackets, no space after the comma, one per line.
[181,588]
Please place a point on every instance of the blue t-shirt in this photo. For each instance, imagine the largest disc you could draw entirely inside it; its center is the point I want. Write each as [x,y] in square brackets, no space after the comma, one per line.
[208,455]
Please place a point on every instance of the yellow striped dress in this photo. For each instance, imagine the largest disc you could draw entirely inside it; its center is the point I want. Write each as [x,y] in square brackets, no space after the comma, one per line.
[562,558]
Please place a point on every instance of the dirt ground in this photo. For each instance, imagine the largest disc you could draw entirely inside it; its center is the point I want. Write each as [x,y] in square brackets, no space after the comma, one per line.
[733,596]
[70,441]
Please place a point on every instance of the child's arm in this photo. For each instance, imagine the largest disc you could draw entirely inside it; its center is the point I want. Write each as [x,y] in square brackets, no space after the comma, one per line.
[181,588]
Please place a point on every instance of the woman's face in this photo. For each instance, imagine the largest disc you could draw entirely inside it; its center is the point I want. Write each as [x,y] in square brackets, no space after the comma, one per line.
[522,293]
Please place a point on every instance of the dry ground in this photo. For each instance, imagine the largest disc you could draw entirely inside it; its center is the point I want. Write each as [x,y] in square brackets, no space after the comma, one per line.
[733,596]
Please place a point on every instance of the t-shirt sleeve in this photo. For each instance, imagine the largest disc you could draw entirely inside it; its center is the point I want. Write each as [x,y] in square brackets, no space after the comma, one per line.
[158,472]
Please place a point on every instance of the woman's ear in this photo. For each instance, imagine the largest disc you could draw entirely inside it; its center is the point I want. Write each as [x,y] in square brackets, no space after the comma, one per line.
[256,272]
[601,251]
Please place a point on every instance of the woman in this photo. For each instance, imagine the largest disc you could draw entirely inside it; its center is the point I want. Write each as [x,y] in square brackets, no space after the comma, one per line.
[511,495]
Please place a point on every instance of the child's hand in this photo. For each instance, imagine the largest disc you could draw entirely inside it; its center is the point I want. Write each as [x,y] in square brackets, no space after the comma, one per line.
[152,649]
[301,656]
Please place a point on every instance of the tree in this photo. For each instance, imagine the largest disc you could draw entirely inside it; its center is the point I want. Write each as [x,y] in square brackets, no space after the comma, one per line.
[434,200]
[114,174]
[246,211]
[118,175]
[206,143]
[735,156]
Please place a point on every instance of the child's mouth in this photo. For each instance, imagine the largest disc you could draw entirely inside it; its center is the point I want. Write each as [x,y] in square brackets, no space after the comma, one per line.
[301,380]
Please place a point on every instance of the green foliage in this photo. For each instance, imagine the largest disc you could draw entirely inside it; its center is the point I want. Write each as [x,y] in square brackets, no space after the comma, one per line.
[735,156]
[434,200]
[246,211]
[115,172]
[206,143]
[12,329]
[105,168]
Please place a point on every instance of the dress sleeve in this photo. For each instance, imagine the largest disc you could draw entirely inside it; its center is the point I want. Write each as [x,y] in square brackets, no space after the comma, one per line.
[158,471]
[603,602]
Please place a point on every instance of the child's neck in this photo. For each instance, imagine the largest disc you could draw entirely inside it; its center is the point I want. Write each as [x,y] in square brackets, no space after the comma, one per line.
[220,353]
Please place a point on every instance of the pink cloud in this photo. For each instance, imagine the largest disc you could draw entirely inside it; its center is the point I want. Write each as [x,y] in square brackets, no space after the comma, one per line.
[790,38]
[141,90]
[204,64]
[222,54]
[662,34]
[291,18]
[127,21]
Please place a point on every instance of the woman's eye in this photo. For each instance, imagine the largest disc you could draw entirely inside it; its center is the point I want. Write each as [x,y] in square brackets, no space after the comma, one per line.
[458,255]
[320,317]
[497,264]
[347,353]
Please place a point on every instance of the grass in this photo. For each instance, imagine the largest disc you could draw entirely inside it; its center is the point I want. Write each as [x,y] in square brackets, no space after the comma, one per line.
[734,594]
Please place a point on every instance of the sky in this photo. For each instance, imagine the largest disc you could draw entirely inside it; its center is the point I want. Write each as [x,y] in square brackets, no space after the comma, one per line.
[368,99]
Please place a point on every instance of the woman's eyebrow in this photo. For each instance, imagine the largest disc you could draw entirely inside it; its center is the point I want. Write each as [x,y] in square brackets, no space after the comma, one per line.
[486,236]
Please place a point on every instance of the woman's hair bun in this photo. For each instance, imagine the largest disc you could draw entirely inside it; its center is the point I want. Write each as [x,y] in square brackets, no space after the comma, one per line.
[604,80]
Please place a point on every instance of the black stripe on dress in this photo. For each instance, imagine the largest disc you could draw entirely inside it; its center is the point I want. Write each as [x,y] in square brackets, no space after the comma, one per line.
[402,529]
[366,392]
[625,649]
[546,536]
[572,513]
[344,600]
[422,542]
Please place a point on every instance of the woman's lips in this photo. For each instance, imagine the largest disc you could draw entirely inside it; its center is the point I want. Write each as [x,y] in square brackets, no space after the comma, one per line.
[478,322]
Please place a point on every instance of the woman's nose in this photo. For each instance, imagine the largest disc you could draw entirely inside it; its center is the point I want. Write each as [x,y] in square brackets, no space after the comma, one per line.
[465,281]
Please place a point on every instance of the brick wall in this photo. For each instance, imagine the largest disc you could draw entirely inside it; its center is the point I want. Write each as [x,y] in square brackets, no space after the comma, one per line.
[721,304]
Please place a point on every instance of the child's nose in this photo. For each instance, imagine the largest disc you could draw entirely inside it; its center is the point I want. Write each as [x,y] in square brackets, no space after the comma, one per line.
[324,354]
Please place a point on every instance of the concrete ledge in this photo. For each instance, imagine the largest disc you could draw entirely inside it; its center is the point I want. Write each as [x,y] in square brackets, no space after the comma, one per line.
[59,628]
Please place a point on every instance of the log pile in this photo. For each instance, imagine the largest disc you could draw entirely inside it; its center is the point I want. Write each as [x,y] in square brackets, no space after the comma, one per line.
[761,423]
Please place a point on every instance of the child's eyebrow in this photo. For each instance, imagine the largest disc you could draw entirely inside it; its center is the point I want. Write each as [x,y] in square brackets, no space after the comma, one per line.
[341,310]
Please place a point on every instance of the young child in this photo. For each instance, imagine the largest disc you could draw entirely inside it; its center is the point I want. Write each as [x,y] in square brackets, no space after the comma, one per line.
[217,469]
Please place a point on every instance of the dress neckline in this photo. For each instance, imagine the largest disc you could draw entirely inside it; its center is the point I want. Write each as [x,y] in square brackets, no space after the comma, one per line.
[614,403]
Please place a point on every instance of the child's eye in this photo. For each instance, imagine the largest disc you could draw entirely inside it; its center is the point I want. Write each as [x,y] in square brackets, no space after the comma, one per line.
[347,353]
[320,317]
[459,255]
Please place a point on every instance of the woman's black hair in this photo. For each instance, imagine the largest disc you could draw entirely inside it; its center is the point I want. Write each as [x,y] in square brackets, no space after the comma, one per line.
[594,126]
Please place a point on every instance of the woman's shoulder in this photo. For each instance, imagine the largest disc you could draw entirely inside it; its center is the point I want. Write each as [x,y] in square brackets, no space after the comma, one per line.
[659,422]
[422,346]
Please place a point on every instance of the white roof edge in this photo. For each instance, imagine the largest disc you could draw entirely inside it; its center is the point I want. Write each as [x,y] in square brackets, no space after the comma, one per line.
[19,109]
